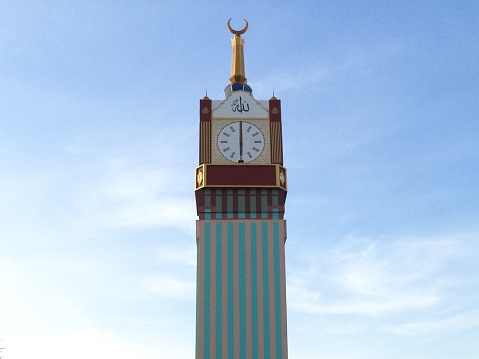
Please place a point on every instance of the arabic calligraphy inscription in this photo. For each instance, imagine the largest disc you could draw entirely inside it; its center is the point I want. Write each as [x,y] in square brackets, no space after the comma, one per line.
[239,105]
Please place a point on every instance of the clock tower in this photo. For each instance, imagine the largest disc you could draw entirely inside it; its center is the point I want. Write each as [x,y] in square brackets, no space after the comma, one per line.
[240,188]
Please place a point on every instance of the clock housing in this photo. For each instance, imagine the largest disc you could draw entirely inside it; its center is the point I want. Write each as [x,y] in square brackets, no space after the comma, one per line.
[221,122]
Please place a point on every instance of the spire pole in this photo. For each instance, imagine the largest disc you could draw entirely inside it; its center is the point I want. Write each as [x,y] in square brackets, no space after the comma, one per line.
[237,63]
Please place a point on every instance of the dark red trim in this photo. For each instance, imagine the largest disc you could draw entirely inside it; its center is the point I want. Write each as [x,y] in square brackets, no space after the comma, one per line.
[205,110]
[237,175]
[275,110]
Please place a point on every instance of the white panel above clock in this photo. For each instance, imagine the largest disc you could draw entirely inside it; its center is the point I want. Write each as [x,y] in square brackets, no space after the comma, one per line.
[240,104]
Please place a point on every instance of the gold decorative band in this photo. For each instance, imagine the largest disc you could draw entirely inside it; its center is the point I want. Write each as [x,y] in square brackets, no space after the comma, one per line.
[241,176]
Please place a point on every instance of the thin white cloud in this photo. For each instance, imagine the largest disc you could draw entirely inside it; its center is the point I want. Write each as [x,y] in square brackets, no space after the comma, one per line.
[318,74]
[452,323]
[170,287]
[134,194]
[302,299]
[378,278]
[184,256]
[80,344]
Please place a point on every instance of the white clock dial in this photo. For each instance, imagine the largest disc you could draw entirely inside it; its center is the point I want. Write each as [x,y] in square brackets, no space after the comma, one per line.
[240,142]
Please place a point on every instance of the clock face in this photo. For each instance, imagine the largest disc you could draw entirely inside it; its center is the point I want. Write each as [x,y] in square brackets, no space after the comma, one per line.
[240,142]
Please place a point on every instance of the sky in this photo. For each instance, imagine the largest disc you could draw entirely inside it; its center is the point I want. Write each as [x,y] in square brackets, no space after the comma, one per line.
[99,121]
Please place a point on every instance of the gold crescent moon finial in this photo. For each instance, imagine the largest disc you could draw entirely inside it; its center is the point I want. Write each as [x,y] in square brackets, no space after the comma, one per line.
[237,32]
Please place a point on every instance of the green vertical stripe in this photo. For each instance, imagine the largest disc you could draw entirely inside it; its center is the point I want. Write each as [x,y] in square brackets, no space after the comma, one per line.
[241,206]
[207,198]
[264,204]
[219,204]
[206,309]
[252,204]
[275,214]
[275,197]
[267,331]
[219,290]
[229,204]
[242,287]
[231,314]
[277,291]
[254,290]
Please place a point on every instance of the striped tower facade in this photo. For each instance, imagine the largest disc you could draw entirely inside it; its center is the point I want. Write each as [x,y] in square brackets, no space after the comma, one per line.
[241,232]
[241,298]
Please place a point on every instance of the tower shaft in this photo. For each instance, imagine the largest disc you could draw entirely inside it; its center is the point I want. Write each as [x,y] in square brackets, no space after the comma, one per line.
[241,298]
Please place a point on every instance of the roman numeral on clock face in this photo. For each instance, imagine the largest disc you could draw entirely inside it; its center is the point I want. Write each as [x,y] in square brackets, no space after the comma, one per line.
[226,149]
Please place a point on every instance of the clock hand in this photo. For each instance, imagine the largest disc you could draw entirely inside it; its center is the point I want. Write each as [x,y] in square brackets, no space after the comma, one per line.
[241,141]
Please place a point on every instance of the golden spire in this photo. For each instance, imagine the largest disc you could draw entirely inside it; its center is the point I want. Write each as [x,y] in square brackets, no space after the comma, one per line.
[237,63]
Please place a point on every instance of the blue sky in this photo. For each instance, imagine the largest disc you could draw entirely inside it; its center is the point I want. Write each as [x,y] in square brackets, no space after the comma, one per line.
[99,111]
